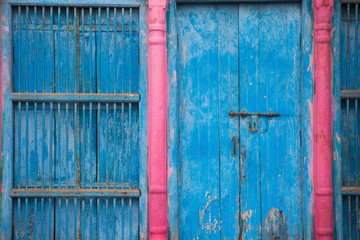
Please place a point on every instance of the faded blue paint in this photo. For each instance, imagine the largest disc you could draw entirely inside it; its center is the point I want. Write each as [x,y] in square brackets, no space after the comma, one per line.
[307,94]
[204,189]
[143,161]
[337,158]
[91,80]
[7,125]
[78,3]
[346,115]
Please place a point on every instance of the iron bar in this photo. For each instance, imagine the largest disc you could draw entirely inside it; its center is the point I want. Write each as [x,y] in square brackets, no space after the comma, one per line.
[74,97]
[244,114]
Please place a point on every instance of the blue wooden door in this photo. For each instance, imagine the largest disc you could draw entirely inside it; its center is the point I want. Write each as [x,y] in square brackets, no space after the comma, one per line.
[239,176]
[76,123]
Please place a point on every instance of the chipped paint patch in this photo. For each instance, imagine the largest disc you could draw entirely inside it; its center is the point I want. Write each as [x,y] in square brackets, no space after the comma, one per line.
[275,225]
[245,219]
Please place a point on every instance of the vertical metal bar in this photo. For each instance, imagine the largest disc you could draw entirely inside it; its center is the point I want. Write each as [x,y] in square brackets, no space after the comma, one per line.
[19,46]
[83,128]
[51,233]
[35,123]
[122,120]
[108,47]
[122,146]
[130,48]
[75,219]
[27,152]
[51,89]
[43,126]
[356,122]
[90,122]
[122,218]
[59,122]
[123,49]
[122,167]
[107,168]
[19,175]
[114,130]
[99,47]
[98,123]
[19,126]
[67,123]
[115,48]
[130,127]
[91,59]
[43,45]
[114,218]
[347,114]
[107,119]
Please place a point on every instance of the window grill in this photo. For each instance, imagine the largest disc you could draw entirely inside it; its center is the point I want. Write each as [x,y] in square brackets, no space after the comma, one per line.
[75,98]
[350,121]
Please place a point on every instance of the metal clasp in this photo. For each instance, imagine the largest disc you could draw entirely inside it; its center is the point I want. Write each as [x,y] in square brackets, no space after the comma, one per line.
[253,123]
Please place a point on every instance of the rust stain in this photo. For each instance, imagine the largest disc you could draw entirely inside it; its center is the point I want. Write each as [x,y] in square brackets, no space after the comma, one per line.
[78,180]
[78,235]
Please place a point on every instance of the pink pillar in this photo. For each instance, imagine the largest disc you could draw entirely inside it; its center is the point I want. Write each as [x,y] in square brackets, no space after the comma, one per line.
[157,120]
[322,122]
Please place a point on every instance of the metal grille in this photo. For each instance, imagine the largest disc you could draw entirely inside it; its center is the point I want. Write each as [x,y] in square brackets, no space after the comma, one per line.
[75,98]
[350,95]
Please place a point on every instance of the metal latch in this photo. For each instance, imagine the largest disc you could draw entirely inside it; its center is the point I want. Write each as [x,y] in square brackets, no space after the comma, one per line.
[253,124]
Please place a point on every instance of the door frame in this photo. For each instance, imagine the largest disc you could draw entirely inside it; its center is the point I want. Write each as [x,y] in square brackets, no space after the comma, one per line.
[306,102]
[6,106]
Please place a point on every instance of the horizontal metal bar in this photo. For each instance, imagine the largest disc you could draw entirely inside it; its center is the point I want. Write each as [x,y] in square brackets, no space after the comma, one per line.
[352,94]
[350,191]
[59,193]
[71,28]
[76,3]
[74,97]
[244,114]
[350,1]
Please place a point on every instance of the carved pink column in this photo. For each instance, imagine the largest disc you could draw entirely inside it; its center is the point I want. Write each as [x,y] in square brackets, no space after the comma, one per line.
[322,122]
[157,120]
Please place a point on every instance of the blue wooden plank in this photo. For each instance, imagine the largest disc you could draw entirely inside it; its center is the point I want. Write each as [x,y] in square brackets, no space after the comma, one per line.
[6,123]
[228,98]
[338,203]
[249,141]
[199,196]
[143,176]
[306,117]
[173,129]
[279,91]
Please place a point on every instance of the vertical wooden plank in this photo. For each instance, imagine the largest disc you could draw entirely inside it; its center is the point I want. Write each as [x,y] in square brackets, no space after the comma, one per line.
[199,197]
[173,123]
[143,150]
[228,98]
[306,116]
[251,217]
[337,154]
[6,121]
[279,91]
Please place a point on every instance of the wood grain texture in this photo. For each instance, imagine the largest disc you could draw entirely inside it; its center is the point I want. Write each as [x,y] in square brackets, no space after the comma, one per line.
[251,54]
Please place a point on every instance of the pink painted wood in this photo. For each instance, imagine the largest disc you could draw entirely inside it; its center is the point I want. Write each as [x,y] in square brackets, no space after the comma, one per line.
[157,120]
[322,123]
